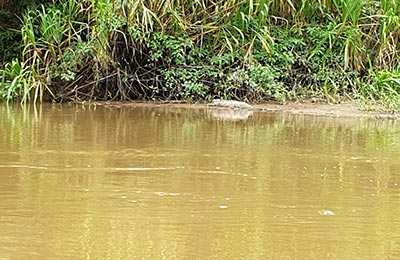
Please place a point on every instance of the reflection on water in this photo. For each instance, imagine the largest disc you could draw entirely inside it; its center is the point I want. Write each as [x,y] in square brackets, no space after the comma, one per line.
[229,114]
[173,183]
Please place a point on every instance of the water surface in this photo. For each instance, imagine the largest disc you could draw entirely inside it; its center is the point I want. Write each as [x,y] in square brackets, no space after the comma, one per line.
[178,183]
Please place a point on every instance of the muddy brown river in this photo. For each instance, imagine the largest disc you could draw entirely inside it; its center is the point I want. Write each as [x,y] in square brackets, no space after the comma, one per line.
[161,182]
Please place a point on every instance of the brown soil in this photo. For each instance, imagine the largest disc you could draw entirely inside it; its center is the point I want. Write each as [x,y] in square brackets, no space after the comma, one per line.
[346,109]
[338,110]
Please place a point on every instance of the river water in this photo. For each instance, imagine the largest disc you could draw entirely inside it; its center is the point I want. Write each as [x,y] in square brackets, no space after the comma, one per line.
[162,182]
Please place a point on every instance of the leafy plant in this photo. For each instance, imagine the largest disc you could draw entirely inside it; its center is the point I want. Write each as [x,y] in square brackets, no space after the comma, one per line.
[196,49]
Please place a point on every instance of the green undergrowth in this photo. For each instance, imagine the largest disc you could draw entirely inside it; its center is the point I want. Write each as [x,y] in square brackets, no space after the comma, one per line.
[198,50]
[381,91]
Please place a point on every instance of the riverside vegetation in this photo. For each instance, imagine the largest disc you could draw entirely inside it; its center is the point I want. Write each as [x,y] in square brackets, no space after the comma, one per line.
[193,50]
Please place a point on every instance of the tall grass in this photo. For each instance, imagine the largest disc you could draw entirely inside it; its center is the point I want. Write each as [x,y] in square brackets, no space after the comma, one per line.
[102,49]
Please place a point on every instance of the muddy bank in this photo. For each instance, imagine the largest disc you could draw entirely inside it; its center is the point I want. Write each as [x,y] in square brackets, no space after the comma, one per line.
[323,109]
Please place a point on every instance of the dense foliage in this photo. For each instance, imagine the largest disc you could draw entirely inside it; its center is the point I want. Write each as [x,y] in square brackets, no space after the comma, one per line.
[200,49]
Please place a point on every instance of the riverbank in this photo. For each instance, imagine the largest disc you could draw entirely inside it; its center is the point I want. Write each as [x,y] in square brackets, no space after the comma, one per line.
[200,50]
[346,109]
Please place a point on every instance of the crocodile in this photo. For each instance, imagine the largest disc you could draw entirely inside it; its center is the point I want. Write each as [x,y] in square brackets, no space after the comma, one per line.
[229,103]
